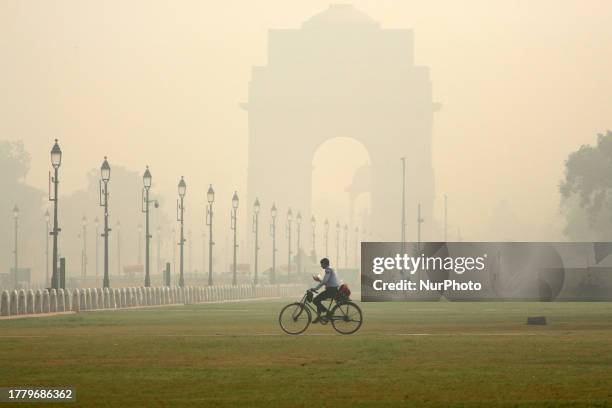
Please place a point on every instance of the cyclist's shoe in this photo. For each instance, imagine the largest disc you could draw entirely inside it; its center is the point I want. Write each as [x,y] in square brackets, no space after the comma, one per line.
[317,319]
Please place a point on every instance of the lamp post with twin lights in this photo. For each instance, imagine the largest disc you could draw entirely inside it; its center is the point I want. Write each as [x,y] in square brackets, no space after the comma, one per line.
[146,181]
[233,226]
[105,171]
[256,208]
[56,161]
[180,211]
[273,213]
[210,196]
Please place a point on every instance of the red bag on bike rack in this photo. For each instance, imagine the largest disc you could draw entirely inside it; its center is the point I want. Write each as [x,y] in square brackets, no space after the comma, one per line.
[344,292]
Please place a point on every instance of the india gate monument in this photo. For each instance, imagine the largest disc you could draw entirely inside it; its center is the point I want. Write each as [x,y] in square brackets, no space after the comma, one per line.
[342,75]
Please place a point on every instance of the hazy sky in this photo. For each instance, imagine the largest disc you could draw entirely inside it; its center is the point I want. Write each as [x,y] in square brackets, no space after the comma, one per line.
[522,83]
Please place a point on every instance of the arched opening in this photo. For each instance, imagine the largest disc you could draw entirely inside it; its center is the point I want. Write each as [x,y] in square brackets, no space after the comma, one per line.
[341,193]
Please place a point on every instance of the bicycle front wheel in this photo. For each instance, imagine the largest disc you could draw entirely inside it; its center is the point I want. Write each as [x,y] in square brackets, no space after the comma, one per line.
[294,318]
[346,318]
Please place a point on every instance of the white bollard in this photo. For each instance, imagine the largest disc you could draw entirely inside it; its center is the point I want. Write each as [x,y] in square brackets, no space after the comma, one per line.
[82,299]
[106,298]
[45,301]
[128,297]
[30,301]
[67,300]
[111,299]
[53,301]
[21,302]
[5,304]
[76,300]
[94,299]
[61,305]
[13,303]
[157,295]
[100,292]
[38,301]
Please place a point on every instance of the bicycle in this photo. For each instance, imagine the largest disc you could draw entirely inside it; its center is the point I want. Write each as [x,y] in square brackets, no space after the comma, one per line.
[345,316]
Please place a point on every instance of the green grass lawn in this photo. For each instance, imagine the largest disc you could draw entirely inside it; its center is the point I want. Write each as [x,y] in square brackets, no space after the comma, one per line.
[406,354]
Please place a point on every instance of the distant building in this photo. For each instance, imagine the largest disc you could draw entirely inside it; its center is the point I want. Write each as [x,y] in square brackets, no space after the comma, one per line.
[341,75]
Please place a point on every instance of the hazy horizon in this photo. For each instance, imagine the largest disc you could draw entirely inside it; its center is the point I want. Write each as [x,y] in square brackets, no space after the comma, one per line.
[521,85]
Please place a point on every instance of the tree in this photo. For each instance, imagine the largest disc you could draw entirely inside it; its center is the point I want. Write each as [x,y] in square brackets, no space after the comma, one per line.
[586,191]
[14,166]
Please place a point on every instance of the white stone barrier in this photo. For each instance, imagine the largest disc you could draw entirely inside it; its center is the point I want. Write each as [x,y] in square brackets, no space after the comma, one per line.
[22,302]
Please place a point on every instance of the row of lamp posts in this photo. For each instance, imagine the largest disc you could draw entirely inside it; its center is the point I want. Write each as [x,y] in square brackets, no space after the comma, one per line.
[105,171]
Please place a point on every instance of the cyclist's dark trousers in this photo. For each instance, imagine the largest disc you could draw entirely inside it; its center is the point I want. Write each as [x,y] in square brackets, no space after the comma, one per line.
[328,293]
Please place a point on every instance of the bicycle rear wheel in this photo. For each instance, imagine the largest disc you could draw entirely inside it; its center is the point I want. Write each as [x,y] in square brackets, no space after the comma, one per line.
[346,317]
[294,318]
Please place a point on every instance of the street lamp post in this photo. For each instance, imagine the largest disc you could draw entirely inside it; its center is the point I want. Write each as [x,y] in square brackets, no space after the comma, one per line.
[139,244]
[189,248]
[56,161]
[420,221]
[256,208]
[180,211]
[313,224]
[345,246]
[97,225]
[47,218]
[273,213]
[210,196]
[356,247]
[105,171]
[337,260]
[16,252]
[233,226]
[203,252]
[326,233]
[298,221]
[174,245]
[158,257]
[118,227]
[84,250]
[445,218]
[146,181]
[403,234]
[288,231]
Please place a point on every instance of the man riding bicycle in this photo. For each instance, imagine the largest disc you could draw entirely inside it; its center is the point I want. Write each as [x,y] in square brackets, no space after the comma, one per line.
[330,281]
